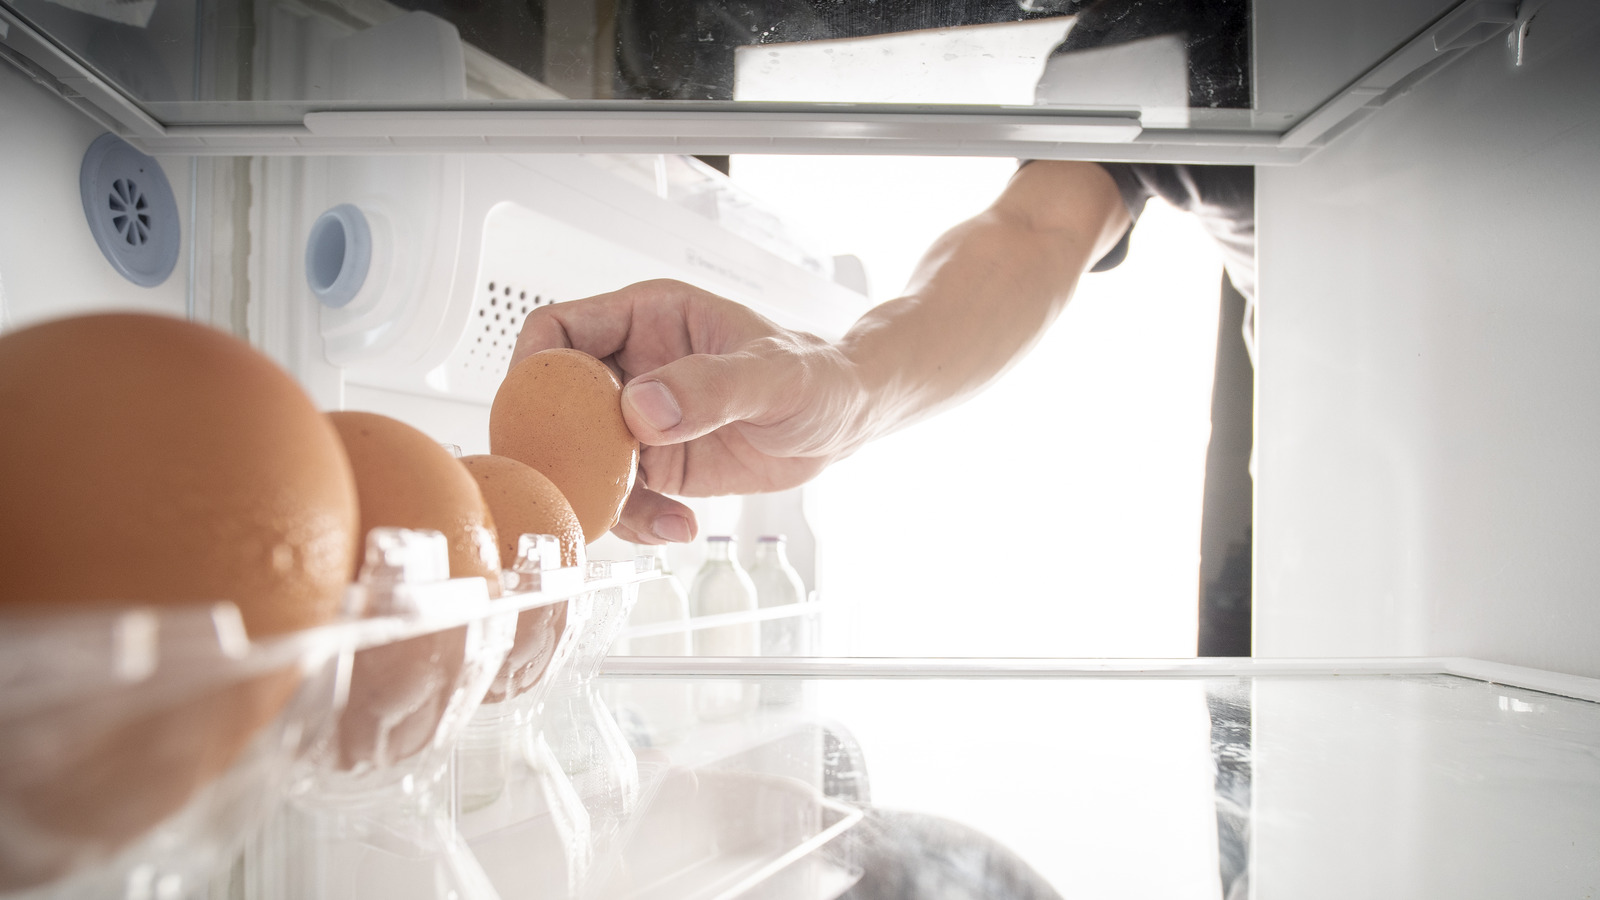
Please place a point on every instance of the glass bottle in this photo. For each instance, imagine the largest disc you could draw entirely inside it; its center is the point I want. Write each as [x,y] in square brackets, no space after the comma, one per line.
[722,587]
[779,585]
[661,600]
[656,712]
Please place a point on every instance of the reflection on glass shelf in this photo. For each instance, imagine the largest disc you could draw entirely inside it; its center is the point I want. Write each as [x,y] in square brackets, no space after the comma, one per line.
[583,50]
[1175,63]
[1205,787]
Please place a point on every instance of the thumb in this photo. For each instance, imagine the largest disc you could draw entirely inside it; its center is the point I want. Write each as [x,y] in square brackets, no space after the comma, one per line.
[696,395]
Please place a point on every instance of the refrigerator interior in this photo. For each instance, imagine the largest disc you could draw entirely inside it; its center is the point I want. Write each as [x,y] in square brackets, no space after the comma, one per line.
[1425,423]
[1427,376]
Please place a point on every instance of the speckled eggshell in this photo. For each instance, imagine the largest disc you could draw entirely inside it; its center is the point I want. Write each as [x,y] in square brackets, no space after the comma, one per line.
[525,502]
[152,461]
[405,479]
[560,411]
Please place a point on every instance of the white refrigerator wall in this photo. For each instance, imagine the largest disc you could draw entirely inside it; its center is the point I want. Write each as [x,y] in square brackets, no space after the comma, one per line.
[1429,385]
[49,263]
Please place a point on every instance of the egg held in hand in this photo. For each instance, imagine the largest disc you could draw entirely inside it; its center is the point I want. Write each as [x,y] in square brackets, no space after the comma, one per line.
[525,502]
[560,412]
[146,460]
[399,692]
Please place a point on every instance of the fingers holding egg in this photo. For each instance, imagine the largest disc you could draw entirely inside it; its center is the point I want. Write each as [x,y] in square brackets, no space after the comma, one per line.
[652,518]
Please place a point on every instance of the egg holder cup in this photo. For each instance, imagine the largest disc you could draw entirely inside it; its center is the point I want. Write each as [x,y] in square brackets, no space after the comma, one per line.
[140,745]
[506,774]
[374,793]
[377,825]
[495,744]
[581,729]
[573,778]
[72,683]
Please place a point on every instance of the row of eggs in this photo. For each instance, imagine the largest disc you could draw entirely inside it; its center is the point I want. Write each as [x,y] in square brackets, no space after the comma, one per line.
[147,460]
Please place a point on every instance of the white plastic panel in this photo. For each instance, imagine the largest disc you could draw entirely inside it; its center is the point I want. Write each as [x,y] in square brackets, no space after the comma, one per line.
[527,260]
[549,228]
[49,264]
[1429,386]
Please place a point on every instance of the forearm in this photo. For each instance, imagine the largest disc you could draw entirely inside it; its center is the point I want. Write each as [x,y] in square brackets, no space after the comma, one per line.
[982,295]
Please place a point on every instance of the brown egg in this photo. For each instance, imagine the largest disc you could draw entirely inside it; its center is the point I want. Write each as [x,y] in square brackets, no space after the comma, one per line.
[560,411]
[149,460]
[525,502]
[404,479]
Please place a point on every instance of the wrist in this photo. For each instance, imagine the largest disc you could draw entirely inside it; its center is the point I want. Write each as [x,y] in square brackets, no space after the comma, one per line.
[878,369]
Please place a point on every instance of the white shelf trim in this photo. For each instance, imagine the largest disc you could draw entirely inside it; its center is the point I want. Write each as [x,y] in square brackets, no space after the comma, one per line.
[1574,686]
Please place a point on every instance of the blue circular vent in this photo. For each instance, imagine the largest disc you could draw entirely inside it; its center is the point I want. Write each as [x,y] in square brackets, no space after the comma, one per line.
[131,211]
[338,255]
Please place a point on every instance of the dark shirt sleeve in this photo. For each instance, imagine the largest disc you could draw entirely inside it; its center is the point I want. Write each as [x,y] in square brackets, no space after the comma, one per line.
[1134,195]
[1221,197]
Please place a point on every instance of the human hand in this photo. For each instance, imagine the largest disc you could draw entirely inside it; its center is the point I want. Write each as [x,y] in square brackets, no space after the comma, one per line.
[723,400]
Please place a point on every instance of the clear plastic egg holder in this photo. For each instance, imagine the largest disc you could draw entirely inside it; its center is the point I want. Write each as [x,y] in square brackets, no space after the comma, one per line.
[565,779]
[386,826]
[311,822]
[75,685]
[730,808]
[374,795]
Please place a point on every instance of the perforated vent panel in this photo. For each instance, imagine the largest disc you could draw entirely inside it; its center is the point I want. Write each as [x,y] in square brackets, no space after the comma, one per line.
[498,310]
[528,260]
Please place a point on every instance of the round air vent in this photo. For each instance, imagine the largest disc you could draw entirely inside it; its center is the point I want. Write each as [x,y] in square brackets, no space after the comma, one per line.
[131,211]
[338,255]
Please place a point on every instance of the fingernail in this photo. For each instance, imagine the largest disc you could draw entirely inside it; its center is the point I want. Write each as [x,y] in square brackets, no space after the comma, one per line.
[655,404]
[672,528]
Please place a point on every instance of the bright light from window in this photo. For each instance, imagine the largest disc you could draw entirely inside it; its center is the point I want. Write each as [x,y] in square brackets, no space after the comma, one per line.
[1057,514]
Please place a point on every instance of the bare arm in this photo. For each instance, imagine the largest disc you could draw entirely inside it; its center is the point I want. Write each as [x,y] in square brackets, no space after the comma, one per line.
[984,293]
[728,402]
